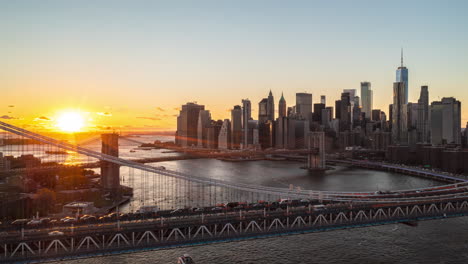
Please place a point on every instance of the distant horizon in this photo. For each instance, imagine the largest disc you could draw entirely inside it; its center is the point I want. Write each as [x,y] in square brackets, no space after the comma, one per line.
[130,66]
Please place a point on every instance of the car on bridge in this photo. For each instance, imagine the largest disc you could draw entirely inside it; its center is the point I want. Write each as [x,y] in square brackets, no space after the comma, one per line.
[56,233]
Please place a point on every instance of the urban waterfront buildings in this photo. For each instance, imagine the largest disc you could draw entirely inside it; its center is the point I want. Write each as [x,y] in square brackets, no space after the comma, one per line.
[204,122]
[402,76]
[262,110]
[423,116]
[270,107]
[399,115]
[303,105]
[224,138]
[366,99]
[323,99]
[236,126]
[282,107]
[446,122]
[345,112]
[187,124]
[246,116]
[355,123]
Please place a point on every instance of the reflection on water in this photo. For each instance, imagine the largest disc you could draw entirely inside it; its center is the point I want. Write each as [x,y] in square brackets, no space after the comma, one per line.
[127,150]
[440,241]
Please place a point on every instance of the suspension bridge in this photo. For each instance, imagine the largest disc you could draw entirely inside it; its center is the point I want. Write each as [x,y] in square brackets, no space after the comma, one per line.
[195,209]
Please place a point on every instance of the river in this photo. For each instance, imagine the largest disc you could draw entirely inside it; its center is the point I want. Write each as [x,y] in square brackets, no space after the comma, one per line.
[435,241]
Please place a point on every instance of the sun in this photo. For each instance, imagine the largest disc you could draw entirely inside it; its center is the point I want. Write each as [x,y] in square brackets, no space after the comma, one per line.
[71,121]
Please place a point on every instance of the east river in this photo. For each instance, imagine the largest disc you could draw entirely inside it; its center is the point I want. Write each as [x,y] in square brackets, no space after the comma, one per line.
[435,241]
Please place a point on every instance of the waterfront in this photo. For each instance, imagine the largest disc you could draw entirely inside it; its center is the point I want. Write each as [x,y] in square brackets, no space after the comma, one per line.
[394,243]
[426,243]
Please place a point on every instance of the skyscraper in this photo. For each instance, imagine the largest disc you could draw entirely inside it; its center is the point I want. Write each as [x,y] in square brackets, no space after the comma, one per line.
[236,126]
[352,101]
[399,115]
[282,107]
[412,109]
[224,138]
[366,99]
[402,76]
[323,99]
[345,112]
[213,134]
[263,110]
[246,116]
[423,116]
[466,135]
[376,115]
[446,122]
[303,105]
[204,122]
[187,124]
[270,107]
[317,116]
[338,109]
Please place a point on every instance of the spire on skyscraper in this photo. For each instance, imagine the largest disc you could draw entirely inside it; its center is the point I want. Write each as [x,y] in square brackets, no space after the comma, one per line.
[282,97]
[401,57]
[270,94]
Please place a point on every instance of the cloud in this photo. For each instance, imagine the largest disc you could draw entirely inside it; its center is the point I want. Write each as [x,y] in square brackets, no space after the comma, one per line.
[160,109]
[104,127]
[104,114]
[149,118]
[42,118]
[8,117]
[177,108]
[11,106]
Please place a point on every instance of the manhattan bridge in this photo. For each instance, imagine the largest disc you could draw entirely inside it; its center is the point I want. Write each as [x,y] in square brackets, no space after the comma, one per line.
[195,210]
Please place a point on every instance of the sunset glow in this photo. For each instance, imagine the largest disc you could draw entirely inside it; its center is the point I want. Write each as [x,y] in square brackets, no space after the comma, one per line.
[70,121]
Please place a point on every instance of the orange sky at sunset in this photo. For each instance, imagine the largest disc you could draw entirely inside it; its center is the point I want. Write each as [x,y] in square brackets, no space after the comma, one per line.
[131,67]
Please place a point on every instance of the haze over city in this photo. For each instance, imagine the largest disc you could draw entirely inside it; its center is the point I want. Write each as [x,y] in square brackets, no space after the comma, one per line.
[213,131]
[132,65]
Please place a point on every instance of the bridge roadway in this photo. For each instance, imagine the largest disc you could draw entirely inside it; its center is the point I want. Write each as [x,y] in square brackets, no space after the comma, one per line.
[442,176]
[188,230]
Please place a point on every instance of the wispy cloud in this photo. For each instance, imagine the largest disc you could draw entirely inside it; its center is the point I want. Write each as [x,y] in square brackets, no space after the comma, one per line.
[104,114]
[11,106]
[160,109]
[8,117]
[103,127]
[42,118]
[149,118]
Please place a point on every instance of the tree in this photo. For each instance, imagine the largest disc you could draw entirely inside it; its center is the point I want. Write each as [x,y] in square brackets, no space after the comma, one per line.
[45,200]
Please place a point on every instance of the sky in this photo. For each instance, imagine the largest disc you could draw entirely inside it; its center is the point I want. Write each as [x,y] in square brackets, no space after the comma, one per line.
[132,64]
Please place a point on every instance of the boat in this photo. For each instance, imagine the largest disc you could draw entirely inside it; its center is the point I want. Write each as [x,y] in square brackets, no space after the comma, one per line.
[185,259]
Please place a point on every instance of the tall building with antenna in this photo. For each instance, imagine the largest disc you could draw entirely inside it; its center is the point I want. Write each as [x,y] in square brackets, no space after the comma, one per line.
[402,76]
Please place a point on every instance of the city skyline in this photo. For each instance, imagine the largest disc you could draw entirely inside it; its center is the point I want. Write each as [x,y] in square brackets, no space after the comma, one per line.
[144,88]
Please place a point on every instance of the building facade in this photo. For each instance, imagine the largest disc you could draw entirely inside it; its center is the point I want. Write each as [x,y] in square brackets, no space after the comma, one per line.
[446,122]
[187,125]
[366,99]
[303,105]
[224,138]
[236,127]
[399,115]
[246,116]
[423,116]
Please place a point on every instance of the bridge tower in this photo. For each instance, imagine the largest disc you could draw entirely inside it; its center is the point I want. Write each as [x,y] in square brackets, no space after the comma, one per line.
[316,147]
[110,172]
